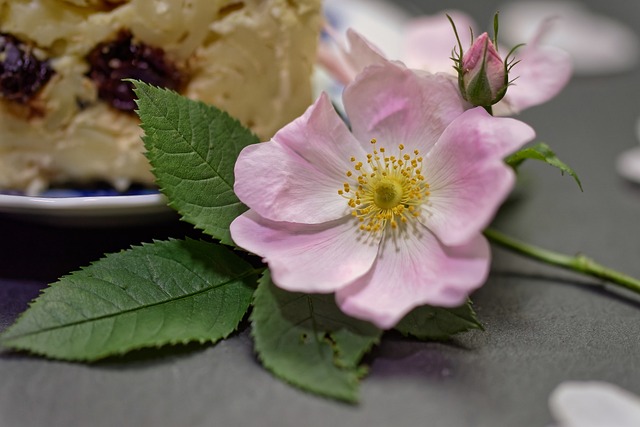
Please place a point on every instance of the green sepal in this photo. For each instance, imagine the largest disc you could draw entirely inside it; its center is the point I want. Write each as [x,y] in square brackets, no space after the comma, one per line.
[308,342]
[170,292]
[437,323]
[543,153]
[192,148]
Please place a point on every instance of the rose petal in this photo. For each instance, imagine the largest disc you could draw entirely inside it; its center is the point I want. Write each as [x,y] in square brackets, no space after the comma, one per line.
[306,258]
[430,40]
[467,177]
[296,176]
[345,62]
[597,44]
[333,60]
[362,52]
[543,71]
[396,106]
[594,404]
[414,270]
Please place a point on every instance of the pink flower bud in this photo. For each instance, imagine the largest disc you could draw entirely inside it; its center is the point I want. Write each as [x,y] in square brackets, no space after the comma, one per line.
[483,76]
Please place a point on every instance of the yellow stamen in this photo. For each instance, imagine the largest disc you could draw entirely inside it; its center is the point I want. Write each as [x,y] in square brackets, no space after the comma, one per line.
[389,190]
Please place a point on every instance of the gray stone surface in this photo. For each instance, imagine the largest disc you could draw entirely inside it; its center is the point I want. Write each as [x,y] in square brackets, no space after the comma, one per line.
[543,325]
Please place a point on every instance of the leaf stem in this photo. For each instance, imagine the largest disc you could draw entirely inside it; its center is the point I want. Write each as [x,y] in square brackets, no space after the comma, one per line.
[579,263]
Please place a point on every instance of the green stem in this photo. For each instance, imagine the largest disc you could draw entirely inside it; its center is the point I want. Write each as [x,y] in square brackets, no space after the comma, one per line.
[579,263]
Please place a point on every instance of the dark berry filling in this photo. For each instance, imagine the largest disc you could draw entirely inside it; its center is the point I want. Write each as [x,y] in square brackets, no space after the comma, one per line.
[21,73]
[123,58]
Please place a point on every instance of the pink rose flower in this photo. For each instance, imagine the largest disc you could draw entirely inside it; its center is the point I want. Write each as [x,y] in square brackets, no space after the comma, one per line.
[389,216]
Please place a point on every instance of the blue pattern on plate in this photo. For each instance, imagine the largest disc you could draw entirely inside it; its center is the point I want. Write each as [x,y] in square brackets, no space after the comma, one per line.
[89,192]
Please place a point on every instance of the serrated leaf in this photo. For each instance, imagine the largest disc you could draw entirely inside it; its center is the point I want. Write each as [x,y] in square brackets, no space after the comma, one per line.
[307,341]
[168,292]
[541,152]
[437,323]
[193,148]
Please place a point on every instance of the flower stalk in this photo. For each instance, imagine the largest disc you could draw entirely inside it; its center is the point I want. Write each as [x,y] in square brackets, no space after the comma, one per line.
[579,263]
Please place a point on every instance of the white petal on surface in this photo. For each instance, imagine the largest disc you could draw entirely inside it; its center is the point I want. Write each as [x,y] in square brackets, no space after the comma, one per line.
[597,43]
[467,177]
[396,106]
[594,404]
[412,271]
[306,258]
[628,164]
[296,176]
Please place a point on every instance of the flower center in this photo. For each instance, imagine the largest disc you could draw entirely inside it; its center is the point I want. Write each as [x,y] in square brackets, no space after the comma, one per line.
[387,190]
[387,193]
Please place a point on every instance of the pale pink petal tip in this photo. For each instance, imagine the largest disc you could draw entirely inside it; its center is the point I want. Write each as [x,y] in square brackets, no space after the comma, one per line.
[541,73]
[416,271]
[430,40]
[396,105]
[596,43]
[295,176]
[467,176]
[307,258]
[594,404]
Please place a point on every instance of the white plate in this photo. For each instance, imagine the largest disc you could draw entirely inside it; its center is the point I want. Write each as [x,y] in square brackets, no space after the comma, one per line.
[378,20]
[87,208]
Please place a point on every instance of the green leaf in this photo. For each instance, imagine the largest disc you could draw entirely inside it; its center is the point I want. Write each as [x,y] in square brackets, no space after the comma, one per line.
[168,292]
[307,341]
[542,152]
[439,324]
[193,148]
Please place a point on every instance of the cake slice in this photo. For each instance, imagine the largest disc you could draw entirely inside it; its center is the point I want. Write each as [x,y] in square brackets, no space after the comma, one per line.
[66,116]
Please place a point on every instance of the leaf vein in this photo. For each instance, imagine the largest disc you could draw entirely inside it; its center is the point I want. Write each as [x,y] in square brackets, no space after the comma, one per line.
[133,309]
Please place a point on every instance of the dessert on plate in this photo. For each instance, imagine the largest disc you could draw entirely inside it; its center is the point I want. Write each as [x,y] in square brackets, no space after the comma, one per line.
[66,115]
